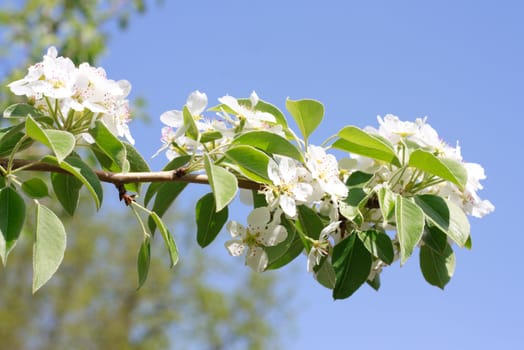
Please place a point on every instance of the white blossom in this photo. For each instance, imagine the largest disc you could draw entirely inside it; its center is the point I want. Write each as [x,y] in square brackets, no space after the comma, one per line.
[251,118]
[324,170]
[468,199]
[260,232]
[53,77]
[291,185]
[57,82]
[196,103]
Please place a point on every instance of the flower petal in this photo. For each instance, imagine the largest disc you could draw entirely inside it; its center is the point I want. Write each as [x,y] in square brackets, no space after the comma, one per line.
[235,247]
[236,229]
[231,102]
[172,118]
[288,205]
[273,172]
[257,259]
[253,98]
[312,259]
[259,217]
[197,102]
[273,236]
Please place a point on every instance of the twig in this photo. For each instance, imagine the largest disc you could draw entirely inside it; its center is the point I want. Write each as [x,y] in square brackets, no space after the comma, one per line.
[124,178]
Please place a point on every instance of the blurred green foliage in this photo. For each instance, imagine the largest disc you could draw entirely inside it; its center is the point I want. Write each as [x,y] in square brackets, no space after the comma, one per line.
[92,302]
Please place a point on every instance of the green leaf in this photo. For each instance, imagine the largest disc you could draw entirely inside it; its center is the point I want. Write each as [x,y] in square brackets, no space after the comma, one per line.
[357,141]
[446,215]
[66,188]
[469,243]
[435,239]
[352,264]
[350,212]
[269,143]
[174,164]
[355,196]
[437,268]
[76,167]
[379,244]
[136,164]
[351,207]
[209,136]
[309,223]
[259,199]
[49,246]
[10,136]
[111,146]
[410,226]
[457,169]
[168,238]
[189,123]
[209,221]
[12,216]
[60,142]
[325,274]
[386,200]
[375,282]
[358,178]
[223,183]
[251,162]
[22,110]
[143,261]
[431,164]
[286,251]
[307,114]
[35,188]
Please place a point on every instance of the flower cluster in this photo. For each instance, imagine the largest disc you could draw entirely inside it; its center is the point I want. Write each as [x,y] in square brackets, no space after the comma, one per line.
[407,136]
[338,197]
[314,182]
[76,96]
[233,118]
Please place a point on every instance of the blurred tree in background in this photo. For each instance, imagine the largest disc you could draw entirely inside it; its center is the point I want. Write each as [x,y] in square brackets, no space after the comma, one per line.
[91,303]
[80,29]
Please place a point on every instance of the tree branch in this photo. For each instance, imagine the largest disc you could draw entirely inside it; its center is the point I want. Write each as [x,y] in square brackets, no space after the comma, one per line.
[123,178]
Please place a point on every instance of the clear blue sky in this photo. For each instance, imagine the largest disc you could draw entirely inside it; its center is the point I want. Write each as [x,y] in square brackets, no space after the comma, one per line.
[458,62]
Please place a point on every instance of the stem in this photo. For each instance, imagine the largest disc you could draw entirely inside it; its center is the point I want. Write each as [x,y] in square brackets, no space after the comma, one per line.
[328,140]
[13,152]
[123,178]
[140,221]
[51,110]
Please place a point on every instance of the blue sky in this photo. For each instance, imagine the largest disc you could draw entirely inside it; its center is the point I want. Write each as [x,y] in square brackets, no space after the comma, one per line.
[458,62]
